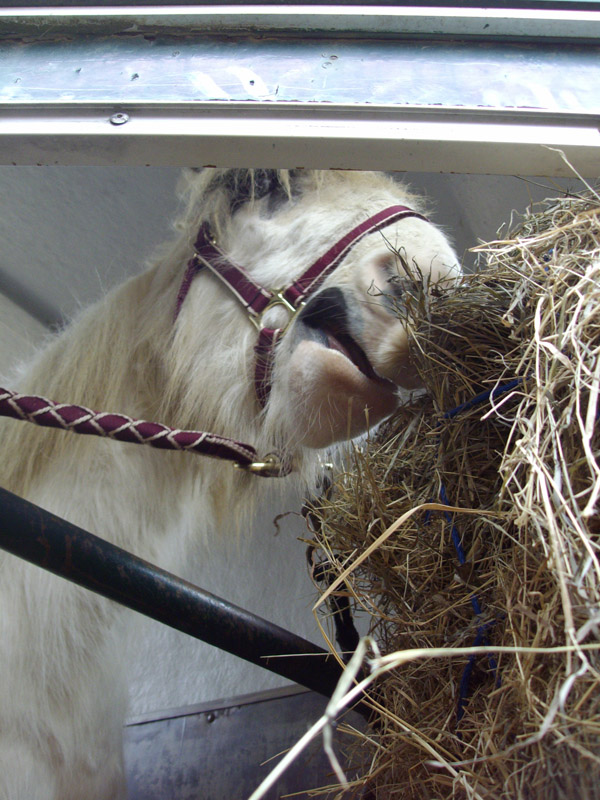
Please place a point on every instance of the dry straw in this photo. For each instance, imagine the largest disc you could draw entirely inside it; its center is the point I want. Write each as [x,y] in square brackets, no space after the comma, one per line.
[518,576]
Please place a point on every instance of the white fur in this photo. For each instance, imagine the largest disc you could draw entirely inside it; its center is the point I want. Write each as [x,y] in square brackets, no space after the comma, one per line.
[62,696]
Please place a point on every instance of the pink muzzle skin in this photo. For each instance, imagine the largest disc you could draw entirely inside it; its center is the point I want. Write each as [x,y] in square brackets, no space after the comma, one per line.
[257,299]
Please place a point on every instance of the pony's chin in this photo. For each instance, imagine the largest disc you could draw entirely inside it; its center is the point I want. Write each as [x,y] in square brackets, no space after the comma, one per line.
[332,399]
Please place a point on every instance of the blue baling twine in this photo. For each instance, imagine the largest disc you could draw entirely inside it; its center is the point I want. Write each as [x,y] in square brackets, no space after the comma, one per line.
[491,394]
[462,559]
[482,637]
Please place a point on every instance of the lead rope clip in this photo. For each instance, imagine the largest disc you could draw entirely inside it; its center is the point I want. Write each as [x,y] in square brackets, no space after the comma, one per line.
[272,467]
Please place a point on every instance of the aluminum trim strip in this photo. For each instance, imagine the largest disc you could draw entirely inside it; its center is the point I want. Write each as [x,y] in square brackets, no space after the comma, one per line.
[333,20]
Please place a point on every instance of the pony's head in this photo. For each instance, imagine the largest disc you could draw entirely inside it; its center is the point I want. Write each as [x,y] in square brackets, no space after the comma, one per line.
[343,356]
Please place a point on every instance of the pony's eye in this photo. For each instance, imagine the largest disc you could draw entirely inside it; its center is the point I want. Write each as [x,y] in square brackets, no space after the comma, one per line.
[393,282]
[399,287]
[396,278]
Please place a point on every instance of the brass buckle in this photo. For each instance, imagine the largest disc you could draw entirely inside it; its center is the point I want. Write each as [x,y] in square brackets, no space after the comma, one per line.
[278,299]
[271,467]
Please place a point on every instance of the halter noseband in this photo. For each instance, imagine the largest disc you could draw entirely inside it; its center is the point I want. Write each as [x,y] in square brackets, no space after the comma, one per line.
[257,299]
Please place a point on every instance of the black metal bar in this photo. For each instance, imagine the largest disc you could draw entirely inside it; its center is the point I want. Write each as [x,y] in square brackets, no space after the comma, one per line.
[53,543]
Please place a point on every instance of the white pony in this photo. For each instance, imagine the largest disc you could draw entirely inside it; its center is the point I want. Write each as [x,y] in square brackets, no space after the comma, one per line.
[62,687]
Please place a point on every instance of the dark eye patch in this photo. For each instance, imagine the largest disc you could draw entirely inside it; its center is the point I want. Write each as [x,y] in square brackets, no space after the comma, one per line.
[399,286]
[245,185]
[254,184]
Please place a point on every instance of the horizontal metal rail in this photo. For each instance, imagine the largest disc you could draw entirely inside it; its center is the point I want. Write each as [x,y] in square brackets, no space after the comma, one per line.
[577,21]
[58,546]
[284,135]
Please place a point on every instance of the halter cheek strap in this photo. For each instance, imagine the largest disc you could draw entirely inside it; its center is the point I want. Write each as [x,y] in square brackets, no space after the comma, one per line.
[256,299]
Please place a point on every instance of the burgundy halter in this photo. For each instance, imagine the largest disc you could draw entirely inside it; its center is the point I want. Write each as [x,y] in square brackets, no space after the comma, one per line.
[257,300]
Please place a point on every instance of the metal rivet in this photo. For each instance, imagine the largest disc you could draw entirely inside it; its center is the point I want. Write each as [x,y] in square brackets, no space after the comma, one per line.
[119,119]
[210,717]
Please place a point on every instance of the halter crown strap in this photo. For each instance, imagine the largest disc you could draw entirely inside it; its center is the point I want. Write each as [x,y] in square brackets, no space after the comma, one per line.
[256,298]
[207,253]
[313,277]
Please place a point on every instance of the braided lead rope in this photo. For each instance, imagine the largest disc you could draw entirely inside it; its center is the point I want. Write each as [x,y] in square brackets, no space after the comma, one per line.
[122,428]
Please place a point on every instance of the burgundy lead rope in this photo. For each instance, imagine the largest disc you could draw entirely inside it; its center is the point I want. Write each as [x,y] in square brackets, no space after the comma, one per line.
[79,419]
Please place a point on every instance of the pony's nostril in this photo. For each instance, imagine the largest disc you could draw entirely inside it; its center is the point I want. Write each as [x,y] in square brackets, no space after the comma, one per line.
[328,306]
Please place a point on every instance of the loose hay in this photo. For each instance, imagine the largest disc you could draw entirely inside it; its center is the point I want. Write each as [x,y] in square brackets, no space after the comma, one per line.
[527,725]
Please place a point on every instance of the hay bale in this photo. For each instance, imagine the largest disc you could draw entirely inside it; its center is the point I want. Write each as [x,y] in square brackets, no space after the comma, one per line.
[522,336]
